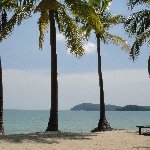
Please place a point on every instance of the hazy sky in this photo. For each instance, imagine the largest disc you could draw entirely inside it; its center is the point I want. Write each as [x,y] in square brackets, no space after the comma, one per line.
[26,70]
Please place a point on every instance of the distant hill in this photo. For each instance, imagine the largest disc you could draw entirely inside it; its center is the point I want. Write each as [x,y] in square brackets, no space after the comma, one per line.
[93,107]
[134,108]
[96,107]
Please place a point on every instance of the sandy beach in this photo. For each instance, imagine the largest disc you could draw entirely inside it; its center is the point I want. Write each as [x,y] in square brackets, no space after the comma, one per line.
[110,140]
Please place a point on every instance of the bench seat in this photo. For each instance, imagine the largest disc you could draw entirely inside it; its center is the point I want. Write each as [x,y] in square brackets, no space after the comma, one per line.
[140,127]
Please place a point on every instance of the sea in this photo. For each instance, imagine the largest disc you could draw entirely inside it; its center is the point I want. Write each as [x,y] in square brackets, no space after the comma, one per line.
[26,121]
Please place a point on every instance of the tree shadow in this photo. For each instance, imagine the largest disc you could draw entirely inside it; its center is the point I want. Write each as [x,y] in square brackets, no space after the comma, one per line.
[45,137]
[142,147]
[146,133]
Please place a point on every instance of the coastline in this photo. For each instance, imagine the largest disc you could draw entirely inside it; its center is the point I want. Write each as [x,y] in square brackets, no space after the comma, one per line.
[110,140]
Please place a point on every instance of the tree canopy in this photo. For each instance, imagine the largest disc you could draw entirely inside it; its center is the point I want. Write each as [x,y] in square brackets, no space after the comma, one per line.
[137,25]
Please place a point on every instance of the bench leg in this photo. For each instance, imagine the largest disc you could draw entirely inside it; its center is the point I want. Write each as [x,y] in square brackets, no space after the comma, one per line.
[139,131]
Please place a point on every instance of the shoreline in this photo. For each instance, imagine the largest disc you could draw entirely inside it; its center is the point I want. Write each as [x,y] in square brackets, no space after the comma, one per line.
[63,132]
[110,140]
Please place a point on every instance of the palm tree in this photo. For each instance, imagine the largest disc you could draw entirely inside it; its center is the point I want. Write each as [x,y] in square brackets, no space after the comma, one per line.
[51,12]
[1,101]
[138,25]
[107,21]
[21,10]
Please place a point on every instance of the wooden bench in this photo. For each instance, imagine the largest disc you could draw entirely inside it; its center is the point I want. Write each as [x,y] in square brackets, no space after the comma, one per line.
[140,127]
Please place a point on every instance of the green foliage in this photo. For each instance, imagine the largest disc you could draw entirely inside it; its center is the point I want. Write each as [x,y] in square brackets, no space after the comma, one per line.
[100,5]
[85,12]
[73,35]
[116,40]
[138,25]
[3,20]
[43,7]
[43,26]
[94,3]
[46,5]
[21,10]
[107,21]
[132,3]
[66,25]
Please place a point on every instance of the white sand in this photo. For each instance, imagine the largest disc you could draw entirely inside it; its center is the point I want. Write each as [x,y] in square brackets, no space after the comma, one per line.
[110,140]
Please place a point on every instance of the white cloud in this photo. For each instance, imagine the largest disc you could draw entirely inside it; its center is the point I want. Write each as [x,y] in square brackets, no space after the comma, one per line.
[90,48]
[60,37]
[31,89]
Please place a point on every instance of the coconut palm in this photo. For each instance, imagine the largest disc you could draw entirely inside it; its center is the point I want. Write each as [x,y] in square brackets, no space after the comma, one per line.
[1,101]
[104,36]
[21,10]
[53,11]
[138,25]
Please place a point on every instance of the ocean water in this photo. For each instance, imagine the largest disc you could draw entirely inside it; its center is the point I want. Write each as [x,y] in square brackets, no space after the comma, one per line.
[25,121]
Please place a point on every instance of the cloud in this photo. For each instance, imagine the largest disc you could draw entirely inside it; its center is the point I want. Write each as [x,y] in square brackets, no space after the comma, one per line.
[60,37]
[90,48]
[31,89]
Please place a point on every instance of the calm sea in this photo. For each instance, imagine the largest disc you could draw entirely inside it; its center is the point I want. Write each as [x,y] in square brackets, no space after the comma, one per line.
[23,121]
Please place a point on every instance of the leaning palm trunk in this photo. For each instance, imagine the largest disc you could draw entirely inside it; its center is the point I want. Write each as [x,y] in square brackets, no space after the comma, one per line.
[103,125]
[1,101]
[53,120]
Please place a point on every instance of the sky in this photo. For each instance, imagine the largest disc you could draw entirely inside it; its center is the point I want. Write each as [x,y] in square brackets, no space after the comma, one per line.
[26,70]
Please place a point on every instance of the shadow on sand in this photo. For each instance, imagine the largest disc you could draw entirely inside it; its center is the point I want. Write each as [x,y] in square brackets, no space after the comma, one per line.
[146,134]
[42,137]
[142,147]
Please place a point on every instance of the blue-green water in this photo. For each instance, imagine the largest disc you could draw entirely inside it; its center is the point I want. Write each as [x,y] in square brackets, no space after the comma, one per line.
[23,121]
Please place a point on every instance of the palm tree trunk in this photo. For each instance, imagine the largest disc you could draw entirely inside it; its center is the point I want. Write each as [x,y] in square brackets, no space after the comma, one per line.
[149,66]
[53,120]
[103,125]
[1,101]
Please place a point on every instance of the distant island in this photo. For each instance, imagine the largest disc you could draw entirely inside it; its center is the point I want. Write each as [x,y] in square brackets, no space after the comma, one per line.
[96,107]
[133,108]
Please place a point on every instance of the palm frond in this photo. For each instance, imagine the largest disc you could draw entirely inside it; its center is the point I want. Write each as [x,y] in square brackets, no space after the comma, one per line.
[8,27]
[138,25]
[24,11]
[114,20]
[86,30]
[85,12]
[72,34]
[46,5]
[43,27]
[133,3]
[140,40]
[105,5]
[3,19]
[20,14]
[114,39]
[10,5]
[137,22]
[95,3]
